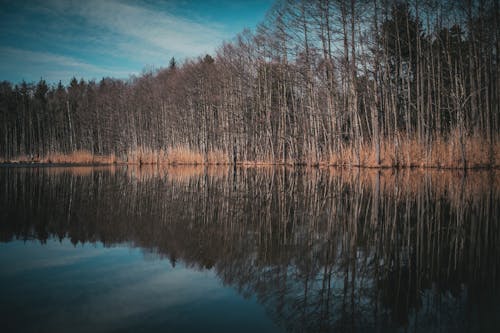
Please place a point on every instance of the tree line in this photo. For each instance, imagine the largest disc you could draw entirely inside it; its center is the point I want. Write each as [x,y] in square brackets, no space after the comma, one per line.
[360,82]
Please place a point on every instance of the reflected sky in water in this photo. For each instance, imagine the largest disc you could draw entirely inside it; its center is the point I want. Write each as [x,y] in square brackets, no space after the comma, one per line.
[56,287]
[256,250]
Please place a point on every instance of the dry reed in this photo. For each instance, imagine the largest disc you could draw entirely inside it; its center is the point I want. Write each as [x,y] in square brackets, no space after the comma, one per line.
[185,156]
[399,152]
[411,153]
[78,157]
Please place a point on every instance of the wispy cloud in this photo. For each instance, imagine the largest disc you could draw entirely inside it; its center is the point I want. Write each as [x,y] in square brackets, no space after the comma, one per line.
[50,66]
[137,27]
[96,38]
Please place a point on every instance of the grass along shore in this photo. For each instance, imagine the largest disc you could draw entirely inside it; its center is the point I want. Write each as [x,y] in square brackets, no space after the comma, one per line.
[447,154]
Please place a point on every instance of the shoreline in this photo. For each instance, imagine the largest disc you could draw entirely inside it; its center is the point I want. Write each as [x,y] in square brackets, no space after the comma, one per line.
[452,154]
[27,164]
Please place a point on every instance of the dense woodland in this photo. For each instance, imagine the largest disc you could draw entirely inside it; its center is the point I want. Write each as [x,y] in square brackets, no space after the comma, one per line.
[359,82]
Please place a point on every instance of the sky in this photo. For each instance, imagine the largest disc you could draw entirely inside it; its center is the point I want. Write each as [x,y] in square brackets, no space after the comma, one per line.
[90,39]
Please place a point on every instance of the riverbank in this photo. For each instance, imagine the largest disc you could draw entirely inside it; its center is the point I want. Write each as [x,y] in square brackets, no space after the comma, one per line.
[472,153]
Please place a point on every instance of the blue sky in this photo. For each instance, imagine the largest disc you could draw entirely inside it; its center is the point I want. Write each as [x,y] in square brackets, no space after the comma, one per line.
[90,39]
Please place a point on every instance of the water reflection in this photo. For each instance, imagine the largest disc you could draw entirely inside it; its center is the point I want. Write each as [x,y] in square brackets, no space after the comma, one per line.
[322,250]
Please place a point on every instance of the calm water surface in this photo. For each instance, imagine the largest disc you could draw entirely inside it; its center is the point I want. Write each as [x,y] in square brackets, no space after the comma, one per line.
[256,250]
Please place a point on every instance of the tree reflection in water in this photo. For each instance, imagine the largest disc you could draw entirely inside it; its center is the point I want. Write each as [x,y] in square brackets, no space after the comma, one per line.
[320,249]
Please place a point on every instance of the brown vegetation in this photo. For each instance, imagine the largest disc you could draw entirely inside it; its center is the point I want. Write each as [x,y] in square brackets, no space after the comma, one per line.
[139,156]
[77,157]
[409,153]
[351,83]
[401,153]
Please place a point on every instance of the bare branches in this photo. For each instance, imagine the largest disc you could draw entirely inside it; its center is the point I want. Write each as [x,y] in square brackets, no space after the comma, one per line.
[316,81]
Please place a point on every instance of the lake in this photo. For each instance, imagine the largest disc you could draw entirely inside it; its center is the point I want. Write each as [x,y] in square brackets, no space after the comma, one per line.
[194,249]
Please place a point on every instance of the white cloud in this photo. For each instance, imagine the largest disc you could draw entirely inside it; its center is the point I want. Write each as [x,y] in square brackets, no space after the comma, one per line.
[140,27]
[96,38]
[51,66]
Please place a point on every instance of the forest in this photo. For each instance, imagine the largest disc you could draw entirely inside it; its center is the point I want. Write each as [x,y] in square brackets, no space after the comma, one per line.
[375,83]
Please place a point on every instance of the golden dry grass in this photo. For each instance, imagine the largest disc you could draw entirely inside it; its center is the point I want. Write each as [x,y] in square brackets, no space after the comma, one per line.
[78,157]
[185,156]
[411,153]
[175,156]
[399,152]
[217,157]
[143,155]
[17,159]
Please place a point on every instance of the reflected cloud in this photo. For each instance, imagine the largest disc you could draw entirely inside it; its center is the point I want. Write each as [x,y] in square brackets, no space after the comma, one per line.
[321,250]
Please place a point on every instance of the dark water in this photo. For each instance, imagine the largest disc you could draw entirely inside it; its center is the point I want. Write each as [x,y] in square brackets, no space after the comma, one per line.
[259,250]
